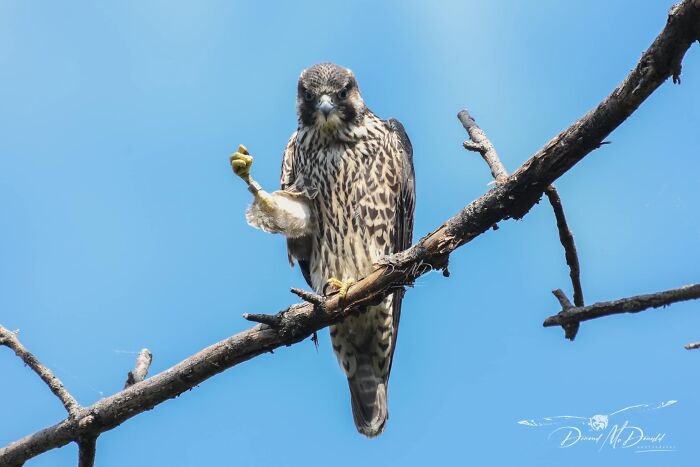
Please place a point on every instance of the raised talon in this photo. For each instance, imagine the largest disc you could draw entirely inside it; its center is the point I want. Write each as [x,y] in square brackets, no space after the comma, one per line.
[340,285]
[241,161]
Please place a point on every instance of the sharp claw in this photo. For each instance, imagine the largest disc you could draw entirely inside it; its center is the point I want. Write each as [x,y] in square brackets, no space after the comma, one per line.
[241,162]
[341,286]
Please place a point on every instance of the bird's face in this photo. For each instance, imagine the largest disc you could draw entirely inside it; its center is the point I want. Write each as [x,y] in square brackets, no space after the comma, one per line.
[328,97]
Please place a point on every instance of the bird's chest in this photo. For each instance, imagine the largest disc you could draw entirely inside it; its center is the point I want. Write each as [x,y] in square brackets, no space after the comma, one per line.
[340,174]
[350,193]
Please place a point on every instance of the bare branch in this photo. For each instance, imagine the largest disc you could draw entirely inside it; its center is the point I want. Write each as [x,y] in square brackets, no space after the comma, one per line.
[86,451]
[270,320]
[9,339]
[634,304]
[570,329]
[310,297]
[511,199]
[567,241]
[563,299]
[481,144]
[143,363]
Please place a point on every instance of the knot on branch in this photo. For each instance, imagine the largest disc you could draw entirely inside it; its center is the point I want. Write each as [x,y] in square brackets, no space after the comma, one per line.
[561,319]
[86,422]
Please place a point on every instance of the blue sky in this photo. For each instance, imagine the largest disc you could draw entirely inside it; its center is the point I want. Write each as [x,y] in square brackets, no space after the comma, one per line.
[122,226]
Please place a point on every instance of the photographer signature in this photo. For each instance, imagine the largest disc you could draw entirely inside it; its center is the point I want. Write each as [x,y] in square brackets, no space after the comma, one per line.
[599,430]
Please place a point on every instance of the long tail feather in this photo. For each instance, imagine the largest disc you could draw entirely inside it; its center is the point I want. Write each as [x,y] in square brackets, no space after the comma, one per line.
[369,402]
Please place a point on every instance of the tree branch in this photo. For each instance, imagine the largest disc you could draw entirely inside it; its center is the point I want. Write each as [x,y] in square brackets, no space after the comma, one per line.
[9,339]
[570,315]
[143,363]
[86,451]
[563,299]
[511,199]
[567,241]
[481,143]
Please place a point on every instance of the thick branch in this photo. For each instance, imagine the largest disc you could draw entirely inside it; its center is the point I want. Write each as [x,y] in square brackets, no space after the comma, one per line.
[511,199]
[9,339]
[571,315]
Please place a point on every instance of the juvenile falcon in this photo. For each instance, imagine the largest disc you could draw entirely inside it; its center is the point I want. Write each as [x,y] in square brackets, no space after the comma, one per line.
[346,200]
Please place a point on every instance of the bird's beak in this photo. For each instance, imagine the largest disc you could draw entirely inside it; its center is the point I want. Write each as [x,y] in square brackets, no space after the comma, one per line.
[325,105]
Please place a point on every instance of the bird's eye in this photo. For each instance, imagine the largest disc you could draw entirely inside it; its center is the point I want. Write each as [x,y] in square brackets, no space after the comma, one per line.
[308,96]
[343,93]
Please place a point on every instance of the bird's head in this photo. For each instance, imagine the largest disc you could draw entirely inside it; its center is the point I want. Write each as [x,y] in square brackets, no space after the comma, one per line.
[328,97]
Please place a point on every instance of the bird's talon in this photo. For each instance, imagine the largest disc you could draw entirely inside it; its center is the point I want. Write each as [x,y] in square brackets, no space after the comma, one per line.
[241,162]
[341,286]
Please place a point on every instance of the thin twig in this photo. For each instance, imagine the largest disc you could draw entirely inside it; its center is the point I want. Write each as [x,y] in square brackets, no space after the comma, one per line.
[86,451]
[481,144]
[634,304]
[567,241]
[143,363]
[9,339]
[270,320]
[310,297]
[563,299]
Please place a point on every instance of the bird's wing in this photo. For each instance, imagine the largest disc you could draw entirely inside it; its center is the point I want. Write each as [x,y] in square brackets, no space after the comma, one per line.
[403,222]
[297,248]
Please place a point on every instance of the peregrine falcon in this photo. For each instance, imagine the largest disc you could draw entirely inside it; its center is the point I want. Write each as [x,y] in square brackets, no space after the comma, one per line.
[346,200]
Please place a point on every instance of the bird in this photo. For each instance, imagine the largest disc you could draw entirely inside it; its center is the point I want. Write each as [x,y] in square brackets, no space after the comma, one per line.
[346,200]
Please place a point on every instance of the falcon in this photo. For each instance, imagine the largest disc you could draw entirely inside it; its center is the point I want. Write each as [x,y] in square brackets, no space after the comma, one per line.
[346,200]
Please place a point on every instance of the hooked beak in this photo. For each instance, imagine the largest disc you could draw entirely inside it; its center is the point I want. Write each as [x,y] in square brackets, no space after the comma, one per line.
[325,105]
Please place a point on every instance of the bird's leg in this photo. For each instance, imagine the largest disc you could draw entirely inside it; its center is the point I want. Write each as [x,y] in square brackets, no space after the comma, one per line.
[241,163]
[278,212]
[340,285]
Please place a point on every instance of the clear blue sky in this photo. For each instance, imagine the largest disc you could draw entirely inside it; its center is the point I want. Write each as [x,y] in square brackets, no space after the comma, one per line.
[122,226]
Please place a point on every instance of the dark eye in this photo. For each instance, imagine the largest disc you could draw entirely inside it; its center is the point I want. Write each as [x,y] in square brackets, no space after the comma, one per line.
[343,93]
[308,96]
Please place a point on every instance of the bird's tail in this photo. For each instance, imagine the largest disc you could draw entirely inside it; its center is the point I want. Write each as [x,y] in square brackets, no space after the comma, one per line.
[368,396]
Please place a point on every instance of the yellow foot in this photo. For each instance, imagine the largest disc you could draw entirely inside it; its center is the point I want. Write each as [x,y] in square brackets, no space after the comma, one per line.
[340,285]
[241,162]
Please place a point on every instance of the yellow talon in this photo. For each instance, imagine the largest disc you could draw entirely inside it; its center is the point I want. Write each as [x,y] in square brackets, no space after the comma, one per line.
[340,285]
[241,162]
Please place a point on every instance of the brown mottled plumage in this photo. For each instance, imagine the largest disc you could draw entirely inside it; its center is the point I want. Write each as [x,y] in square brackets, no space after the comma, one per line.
[351,175]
